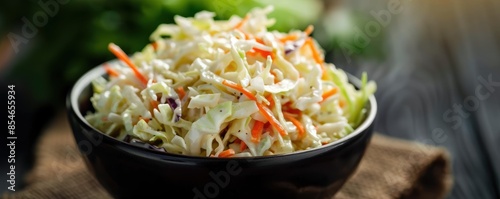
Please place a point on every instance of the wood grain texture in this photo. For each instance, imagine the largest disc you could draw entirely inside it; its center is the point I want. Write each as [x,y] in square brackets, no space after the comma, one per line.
[437,52]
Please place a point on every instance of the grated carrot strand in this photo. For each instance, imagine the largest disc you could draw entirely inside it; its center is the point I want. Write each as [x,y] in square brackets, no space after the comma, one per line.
[111,72]
[118,52]
[226,153]
[300,128]
[329,93]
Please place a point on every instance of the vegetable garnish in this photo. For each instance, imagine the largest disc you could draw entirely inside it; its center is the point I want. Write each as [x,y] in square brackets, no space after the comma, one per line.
[227,88]
[118,52]
[250,37]
[181,92]
[227,153]
[111,72]
[239,88]
[342,103]
[243,146]
[145,119]
[297,123]
[269,98]
[289,109]
[317,57]
[309,30]
[243,21]
[329,93]
[256,51]
[263,53]
[293,37]
[155,45]
[154,104]
[269,117]
[257,131]
[262,109]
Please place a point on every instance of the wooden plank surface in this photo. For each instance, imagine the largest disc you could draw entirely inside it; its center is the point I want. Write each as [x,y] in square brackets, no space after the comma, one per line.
[438,54]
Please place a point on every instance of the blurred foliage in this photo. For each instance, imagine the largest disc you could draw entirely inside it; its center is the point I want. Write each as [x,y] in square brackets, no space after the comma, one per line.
[75,39]
[351,34]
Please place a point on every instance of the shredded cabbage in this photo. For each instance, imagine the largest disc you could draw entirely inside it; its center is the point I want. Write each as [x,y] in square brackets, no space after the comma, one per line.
[219,87]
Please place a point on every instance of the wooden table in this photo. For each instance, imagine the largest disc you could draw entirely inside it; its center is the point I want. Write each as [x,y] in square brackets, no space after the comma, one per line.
[432,83]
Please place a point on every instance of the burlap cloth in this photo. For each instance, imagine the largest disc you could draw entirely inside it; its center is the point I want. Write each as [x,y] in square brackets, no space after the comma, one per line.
[391,168]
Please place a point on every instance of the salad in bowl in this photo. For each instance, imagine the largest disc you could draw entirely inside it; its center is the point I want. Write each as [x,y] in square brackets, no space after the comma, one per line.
[227,88]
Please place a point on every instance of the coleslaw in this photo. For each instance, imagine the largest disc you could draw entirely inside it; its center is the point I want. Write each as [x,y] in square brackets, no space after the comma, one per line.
[227,88]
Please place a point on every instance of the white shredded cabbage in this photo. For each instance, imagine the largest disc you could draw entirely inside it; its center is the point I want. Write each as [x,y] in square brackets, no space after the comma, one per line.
[228,88]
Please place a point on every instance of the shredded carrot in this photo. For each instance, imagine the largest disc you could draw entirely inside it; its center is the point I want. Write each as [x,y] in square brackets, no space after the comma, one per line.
[154,104]
[287,107]
[324,74]
[226,153]
[309,30]
[288,38]
[243,146]
[262,109]
[263,53]
[300,127]
[275,76]
[181,92]
[293,111]
[257,131]
[255,51]
[269,116]
[292,37]
[249,36]
[155,45]
[111,72]
[145,119]
[342,103]
[118,52]
[269,98]
[259,40]
[316,55]
[243,21]
[268,128]
[329,93]
[238,87]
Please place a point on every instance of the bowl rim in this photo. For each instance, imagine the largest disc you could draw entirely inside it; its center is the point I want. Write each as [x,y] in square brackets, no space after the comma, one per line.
[86,79]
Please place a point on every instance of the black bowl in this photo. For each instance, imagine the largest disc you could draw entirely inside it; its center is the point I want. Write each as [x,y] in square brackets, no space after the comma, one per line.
[129,171]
